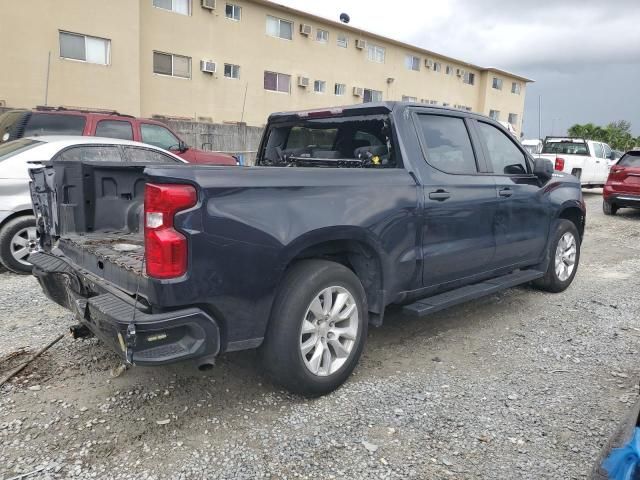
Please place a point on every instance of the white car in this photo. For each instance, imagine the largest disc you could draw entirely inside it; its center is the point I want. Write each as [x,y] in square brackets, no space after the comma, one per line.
[533,146]
[18,237]
[588,160]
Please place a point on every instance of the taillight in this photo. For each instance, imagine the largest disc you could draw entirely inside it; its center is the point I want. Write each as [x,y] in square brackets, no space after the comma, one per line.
[166,249]
[617,173]
[559,164]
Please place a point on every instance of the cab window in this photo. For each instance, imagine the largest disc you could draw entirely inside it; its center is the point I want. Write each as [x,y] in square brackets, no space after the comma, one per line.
[159,136]
[504,156]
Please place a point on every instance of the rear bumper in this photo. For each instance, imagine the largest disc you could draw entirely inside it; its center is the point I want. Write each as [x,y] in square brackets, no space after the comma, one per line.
[155,339]
[631,200]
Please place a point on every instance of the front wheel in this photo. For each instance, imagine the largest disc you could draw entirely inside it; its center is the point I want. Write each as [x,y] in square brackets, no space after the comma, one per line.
[318,328]
[564,254]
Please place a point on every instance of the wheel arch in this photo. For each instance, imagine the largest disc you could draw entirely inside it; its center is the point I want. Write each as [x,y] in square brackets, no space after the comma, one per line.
[354,248]
[19,213]
[574,214]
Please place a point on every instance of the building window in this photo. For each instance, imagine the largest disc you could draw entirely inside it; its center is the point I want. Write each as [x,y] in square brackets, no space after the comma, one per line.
[340,89]
[277,27]
[173,65]
[322,36]
[497,83]
[412,63]
[495,114]
[372,96]
[433,102]
[469,78]
[449,70]
[513,119]
[233,12]
[85,48]
[231,71]
[445,104]
[515,88]
[406,98]
[375,53]
[437,66]
[343,41]
[183,7]
[277,82]
[319,86]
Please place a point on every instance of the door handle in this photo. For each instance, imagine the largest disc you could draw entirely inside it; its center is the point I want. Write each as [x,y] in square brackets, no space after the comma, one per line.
[440,195]
[505,192]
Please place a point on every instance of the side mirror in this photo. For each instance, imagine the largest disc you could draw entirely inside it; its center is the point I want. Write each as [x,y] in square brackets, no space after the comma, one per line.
[543,169]
[182,146]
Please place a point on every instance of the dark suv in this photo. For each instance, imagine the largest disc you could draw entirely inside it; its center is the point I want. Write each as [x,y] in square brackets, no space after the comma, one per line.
[16,124]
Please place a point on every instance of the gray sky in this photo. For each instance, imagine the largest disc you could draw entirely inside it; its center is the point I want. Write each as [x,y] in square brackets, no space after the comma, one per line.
[583,54]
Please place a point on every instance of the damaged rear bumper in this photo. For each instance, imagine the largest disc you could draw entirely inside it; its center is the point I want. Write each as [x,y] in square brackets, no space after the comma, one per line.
[138,336]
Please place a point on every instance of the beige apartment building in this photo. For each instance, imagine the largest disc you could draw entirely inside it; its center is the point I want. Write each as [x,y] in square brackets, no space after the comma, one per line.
[225,61]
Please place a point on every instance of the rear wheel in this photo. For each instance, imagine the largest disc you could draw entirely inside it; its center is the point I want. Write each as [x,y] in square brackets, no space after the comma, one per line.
[318,328]
[18,239]
[564,254]
[609,208]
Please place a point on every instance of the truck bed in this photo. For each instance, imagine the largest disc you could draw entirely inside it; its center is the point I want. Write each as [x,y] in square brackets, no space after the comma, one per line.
[124,250]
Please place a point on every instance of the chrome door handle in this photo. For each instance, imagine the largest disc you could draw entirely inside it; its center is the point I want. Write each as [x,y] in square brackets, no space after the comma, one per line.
[440,195]
[505,192]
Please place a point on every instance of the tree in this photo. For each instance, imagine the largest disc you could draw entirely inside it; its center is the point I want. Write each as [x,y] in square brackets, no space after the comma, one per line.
[617,134]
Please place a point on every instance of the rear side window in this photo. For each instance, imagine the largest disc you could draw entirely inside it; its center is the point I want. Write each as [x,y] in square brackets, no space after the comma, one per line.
[146,155]
[158,136]
[448,146]
[505,157]
[91,153]
[631,159]
[114,129]
[54,124]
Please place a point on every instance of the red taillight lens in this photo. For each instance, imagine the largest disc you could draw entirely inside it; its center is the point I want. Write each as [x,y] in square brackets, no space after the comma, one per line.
[617,173]
[166,249]
[559,164]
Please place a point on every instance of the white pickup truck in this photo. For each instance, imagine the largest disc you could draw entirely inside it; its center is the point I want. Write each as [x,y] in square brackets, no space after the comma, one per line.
[586,159]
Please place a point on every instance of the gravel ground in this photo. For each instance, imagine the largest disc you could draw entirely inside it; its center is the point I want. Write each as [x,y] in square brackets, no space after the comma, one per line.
[521,384]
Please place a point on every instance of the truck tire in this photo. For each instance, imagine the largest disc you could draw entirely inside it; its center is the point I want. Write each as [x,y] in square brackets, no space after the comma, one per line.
[317,330]
[609,208]
[18,238]
[564,255]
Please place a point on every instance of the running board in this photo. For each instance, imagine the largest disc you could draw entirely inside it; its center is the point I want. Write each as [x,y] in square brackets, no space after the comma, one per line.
[439,302]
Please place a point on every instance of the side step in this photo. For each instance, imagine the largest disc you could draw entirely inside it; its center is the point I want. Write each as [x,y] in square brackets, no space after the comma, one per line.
[439,302]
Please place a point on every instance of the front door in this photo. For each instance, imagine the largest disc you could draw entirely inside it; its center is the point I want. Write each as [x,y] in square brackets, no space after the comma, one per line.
[522,217]
[459,204]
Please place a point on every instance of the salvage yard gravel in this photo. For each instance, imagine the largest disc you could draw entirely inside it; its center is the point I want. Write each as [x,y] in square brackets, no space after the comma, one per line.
[521,384]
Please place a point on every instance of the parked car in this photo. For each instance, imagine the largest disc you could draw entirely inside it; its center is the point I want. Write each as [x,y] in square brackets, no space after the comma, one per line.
[533,146]
[18,235]
[586,159]
[623,185]
[16,124]
[350,210]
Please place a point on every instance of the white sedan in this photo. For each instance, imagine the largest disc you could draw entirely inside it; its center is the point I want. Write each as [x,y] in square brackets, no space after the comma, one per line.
[18,234]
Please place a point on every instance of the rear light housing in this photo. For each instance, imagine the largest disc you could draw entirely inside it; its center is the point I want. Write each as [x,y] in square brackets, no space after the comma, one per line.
[617,173]
[559,164]
[166,249]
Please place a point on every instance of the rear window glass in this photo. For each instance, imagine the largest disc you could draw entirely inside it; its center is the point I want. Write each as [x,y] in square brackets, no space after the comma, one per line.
[114,129]
[54,124]
[9,149]
[341,142]
[566,148]
[631,159]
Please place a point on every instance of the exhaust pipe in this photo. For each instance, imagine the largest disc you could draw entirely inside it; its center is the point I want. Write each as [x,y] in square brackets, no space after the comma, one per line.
[206,364]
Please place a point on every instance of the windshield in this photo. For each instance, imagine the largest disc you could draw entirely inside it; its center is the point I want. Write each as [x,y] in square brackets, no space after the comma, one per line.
[10,149]
[566,148]
[357,141]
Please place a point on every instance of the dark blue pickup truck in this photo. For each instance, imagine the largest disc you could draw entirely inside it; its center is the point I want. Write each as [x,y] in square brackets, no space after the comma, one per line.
[348,210]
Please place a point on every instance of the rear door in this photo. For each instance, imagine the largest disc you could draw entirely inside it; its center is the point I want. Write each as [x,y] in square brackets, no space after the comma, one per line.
[459,203]
[523,214]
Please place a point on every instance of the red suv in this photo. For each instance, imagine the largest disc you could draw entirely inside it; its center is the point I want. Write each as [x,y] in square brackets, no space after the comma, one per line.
[61,121]
[623,185]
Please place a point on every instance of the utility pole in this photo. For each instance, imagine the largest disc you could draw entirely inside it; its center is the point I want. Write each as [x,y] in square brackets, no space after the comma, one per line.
[540,117]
